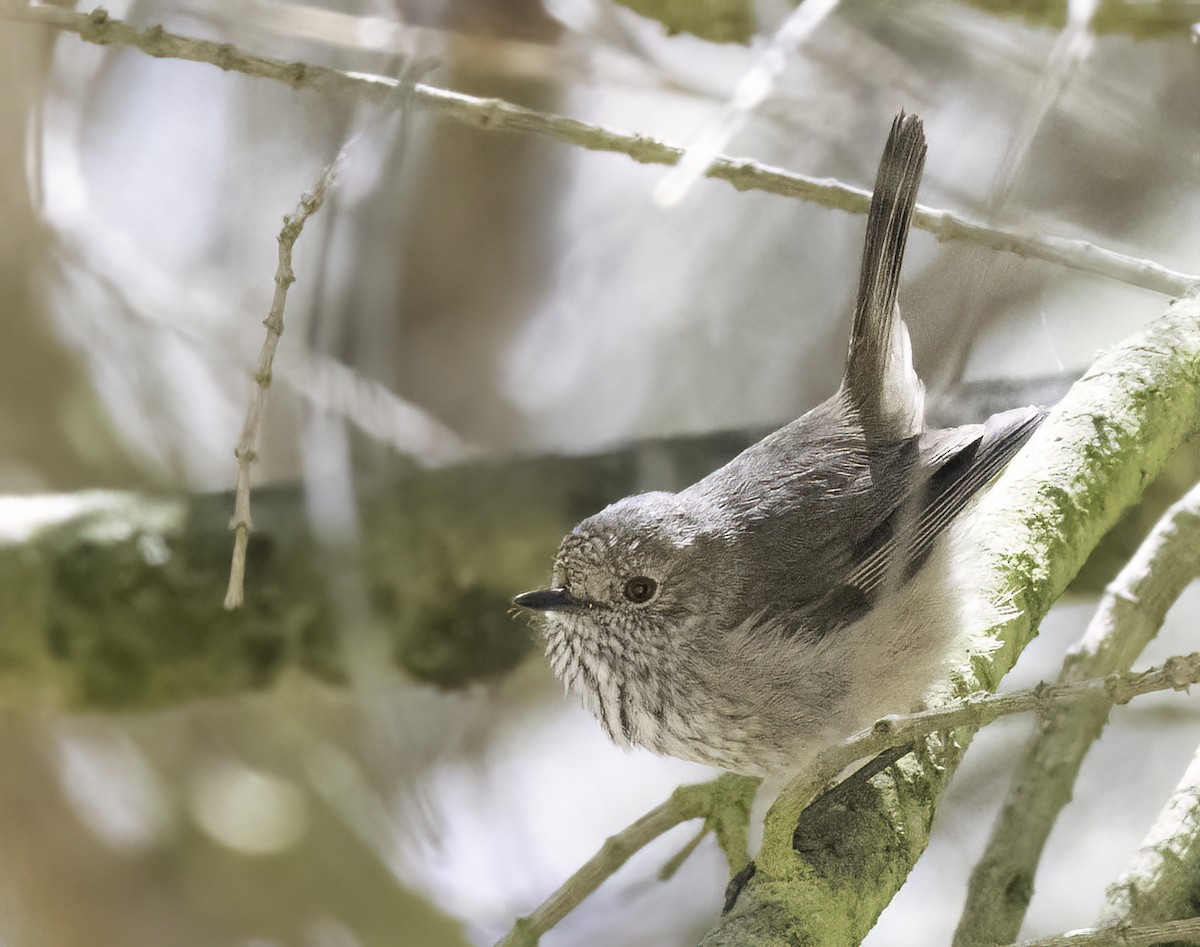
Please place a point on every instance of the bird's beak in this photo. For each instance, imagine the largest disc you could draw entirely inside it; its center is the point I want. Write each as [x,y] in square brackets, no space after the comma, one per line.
[546,600]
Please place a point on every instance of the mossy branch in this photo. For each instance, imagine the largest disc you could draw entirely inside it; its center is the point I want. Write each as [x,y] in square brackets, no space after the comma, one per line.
[1112,434]
[113,600]
[1163,877]
[714,801]
[1127,618]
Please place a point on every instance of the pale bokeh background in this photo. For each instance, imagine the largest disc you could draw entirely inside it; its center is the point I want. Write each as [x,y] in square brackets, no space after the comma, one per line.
[531,297]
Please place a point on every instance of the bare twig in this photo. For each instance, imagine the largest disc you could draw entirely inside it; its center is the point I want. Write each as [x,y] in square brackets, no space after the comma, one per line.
[1124,935]
[686,803]
[1129,615]
[711,799]
[615,851]
[1176,673]
[496,114]
[246,451]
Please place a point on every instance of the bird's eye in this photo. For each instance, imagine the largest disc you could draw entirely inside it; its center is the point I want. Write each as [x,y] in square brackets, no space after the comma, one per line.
[640,589]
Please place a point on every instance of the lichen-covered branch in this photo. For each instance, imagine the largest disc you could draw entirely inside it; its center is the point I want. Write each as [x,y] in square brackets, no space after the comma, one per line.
[498,115]
[1124,935]
[1091,460]
[1128,616]
[1163,878]
[113,601]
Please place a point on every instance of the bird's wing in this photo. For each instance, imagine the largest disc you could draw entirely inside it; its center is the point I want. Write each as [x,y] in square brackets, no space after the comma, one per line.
[951,467]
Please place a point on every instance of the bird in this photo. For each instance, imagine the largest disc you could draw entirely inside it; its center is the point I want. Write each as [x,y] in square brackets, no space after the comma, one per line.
[815,582]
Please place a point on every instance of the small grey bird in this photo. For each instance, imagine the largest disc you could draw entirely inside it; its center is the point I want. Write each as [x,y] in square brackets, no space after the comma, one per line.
[809,586]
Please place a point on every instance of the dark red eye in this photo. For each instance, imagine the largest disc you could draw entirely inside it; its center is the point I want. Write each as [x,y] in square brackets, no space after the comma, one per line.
[640,589]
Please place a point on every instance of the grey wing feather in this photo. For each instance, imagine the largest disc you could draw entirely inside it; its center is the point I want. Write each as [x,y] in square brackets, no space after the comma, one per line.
[955,465]
[818,579]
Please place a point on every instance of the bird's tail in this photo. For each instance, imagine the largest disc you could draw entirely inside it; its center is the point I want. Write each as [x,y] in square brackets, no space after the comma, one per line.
[880,380]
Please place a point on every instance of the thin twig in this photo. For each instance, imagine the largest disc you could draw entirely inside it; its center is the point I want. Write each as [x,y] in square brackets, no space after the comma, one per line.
[496,114]
[676,861]
[1127,618]
[686,803]
[1123,935]
[1176,673]
[616,850]
[710,799]
[246,451]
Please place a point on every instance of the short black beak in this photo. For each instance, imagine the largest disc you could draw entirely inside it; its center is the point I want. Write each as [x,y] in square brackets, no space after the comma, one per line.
[546,600]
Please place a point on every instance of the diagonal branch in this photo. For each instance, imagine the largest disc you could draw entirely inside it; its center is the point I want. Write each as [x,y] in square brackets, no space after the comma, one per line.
[1161,882]
[703,800]
[247,447]
[975,711]
[1109,437]
[498,115]
[1128,616]
[711,799]
[1124,935]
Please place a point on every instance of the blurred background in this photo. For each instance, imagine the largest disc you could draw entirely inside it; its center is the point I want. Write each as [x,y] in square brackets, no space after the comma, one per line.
[471,296]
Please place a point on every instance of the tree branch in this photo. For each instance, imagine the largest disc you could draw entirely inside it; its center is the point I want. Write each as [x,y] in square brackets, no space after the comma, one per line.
[1164,875]
[711,799]
[976,711]
[1124,935]
[1128,616]
[617,850]
[703,800]
[732,21]
[973,712]
[498,115]
[246,451]
[1091,459]
[112,600]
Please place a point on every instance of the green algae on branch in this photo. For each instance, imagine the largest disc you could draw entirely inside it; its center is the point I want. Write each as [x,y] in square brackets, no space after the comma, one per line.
[1114,432]
[115,601]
